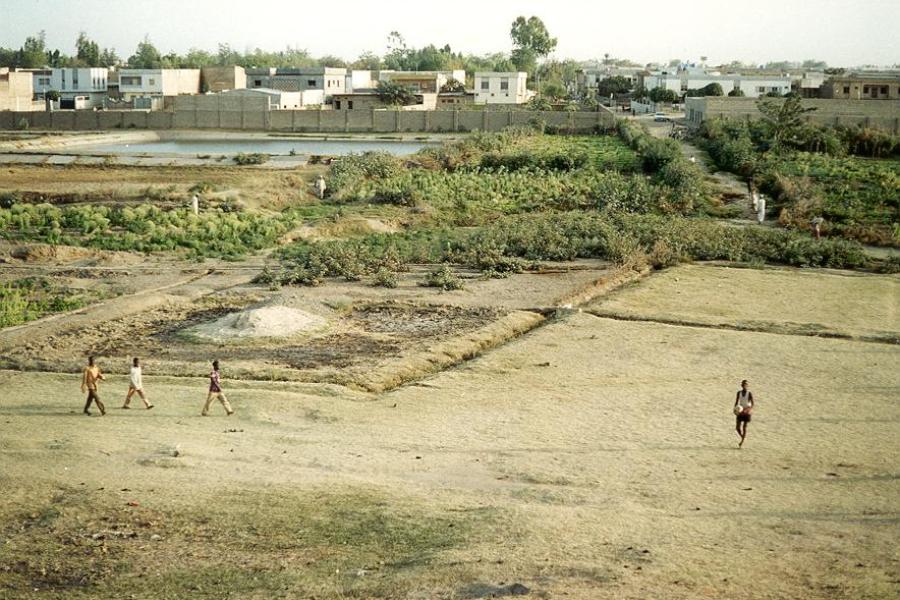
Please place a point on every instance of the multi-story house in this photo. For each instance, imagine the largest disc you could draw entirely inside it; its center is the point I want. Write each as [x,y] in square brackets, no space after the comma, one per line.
[501,88]
[156,83]
[77,87]
[331,80]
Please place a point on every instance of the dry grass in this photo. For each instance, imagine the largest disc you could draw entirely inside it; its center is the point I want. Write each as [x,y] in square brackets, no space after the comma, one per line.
[256,188]
[795,301]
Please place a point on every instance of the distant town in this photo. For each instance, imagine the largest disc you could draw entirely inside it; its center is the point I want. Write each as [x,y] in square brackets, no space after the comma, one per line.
[35,79]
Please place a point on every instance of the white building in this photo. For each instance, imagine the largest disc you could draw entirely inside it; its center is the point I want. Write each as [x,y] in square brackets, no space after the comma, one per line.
[281,100]
[154,83]
[753,86]
[77,87]
[501,88]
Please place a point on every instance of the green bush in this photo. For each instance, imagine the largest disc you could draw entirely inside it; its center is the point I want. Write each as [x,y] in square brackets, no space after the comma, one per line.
[251,158]
[444,278]
[387,278]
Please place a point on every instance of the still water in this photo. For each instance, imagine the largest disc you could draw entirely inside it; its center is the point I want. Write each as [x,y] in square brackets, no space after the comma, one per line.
[303,146]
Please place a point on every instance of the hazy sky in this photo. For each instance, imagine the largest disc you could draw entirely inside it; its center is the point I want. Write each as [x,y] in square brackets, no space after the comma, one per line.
[841,32]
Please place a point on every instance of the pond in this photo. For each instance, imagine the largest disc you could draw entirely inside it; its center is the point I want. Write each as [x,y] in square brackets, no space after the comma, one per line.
[274,146]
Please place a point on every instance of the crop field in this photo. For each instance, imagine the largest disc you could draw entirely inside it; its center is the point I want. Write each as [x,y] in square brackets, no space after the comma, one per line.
[500,367]
[858,196]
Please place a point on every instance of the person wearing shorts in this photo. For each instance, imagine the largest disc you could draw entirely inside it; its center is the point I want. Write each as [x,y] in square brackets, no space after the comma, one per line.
[90,380]
[136,385]
[215,392]
[743,407]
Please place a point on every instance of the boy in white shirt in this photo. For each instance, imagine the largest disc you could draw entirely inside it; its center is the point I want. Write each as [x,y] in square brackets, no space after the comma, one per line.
[136,384]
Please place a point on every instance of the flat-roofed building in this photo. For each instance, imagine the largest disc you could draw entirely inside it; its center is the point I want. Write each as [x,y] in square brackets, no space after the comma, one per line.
[16,90]
[331,80]
[150,83]
[863,86]
[77,87]
[501,88]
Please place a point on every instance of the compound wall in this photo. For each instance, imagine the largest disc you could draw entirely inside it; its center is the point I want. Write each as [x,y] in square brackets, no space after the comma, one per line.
[222,112]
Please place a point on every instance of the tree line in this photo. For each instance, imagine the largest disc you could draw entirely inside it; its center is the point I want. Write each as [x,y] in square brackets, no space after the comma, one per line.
[531,42]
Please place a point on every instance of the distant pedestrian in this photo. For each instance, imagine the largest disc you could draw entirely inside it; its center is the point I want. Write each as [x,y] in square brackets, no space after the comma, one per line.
[195,204]
[743,407]
[215,391]
[90,379]
[136,385]
[816,226]
[761,209]
[320,187]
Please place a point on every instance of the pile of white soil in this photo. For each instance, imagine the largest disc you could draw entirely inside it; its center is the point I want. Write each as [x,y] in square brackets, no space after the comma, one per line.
[264,321]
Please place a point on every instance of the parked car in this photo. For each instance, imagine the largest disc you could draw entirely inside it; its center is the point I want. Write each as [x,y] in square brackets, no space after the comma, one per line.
[660,117]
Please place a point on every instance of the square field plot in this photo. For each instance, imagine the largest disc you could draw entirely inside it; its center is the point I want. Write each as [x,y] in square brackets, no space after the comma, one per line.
[775,300]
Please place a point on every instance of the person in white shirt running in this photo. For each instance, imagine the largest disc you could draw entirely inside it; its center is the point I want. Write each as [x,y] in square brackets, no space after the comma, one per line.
[743,407]
[136,384]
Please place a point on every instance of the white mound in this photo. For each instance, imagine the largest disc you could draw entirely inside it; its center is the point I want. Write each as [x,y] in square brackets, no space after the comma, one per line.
[265,321]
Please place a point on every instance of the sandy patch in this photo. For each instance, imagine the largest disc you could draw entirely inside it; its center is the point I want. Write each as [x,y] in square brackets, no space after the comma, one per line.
[259,322]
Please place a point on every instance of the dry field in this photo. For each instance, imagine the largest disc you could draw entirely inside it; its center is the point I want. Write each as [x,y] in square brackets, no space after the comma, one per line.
[589,457]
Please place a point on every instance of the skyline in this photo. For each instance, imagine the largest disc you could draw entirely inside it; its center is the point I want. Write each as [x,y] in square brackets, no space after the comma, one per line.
[845,33]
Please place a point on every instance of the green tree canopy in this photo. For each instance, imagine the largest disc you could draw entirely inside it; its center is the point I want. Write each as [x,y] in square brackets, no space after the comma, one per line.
[146,56]
[613,85]
[395,94]
[87,51]
[784,119]
[531,41]
[662,95]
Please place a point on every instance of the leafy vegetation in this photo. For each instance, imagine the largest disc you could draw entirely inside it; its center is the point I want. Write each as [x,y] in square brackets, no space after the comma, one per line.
[251,158]
[145,228]
[512,244]
[31,298]
[808,173]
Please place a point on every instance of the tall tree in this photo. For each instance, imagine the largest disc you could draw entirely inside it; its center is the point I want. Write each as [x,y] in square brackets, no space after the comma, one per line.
[87,51]
[531,41]
[146,56]
[783,119]
[109,58]
[33,53]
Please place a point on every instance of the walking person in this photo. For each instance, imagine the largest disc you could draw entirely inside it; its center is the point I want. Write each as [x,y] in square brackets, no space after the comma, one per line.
[816,226]
[743,407]
[215,391]
[320,187]
[136,385]
[761,209]
[90,379]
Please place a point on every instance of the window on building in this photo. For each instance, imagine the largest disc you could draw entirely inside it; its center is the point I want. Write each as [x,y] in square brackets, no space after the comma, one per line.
[257,83]
[846,89]
[130,81]
[337,105]
[504,84]
[43,81]
[311,83]
[865,89]
[884,90]
[75,78]
[349,104]
[761,89]
[485,84]
[152,81]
